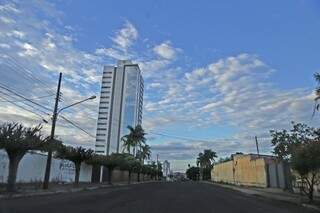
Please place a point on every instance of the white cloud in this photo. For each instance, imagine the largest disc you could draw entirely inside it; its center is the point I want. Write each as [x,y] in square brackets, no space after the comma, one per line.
[165,50]
[125,37]
[35,48]
[5,46]
[9,8]
[6,20]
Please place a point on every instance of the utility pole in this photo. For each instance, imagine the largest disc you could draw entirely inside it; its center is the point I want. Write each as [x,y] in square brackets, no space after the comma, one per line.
[53,127]
[257,145]
[157,166]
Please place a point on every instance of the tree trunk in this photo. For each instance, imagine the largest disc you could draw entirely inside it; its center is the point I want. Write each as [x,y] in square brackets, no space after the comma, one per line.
[311,189]
[77,173]
[129,178]
[138,176]
[14,160]
[310,194]
[110,175]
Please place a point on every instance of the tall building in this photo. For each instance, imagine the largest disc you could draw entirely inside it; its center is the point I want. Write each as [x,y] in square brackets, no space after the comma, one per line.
[166,168]
[120,105]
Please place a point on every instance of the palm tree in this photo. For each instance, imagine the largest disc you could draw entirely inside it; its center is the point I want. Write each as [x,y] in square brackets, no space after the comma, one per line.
[77,156]
[205,161]
[17,140]
[128,143]
[144,153]
[135,138]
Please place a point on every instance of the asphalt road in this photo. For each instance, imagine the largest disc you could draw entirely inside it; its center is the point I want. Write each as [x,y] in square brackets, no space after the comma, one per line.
[151,197]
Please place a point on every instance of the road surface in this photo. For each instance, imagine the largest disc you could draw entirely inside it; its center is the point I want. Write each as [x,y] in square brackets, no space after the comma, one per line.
[182,197]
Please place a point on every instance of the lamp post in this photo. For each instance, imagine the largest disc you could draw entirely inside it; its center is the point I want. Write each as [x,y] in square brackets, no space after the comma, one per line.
[53,127]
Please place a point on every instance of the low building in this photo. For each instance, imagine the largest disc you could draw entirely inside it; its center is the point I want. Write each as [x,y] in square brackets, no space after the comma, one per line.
[253,170]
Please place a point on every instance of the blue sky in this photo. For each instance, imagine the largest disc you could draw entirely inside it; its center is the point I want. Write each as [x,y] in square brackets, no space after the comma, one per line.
[216,72]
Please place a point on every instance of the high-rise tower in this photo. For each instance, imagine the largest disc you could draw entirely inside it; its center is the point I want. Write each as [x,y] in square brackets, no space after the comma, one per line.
[120,105]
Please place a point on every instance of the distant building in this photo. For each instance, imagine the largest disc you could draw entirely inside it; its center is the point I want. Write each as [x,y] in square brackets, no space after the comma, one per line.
[253,170]
[166,168]
[120,105]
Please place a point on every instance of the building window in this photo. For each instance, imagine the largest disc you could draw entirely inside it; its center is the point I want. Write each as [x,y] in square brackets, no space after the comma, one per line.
[102,118]
[103,107]
[101,134]
[100,140]
[102,129]
[99,145]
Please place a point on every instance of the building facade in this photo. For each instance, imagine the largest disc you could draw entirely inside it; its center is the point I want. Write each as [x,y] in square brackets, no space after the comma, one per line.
[120,105]
[253,170]
[166,168]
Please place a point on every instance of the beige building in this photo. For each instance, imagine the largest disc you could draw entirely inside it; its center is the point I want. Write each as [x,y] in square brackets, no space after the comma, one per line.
[252,170]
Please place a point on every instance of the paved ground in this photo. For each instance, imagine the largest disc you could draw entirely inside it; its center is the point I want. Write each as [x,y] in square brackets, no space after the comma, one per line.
[151,197]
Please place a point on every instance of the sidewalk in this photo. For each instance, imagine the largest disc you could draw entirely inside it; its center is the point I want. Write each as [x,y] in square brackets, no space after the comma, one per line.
[62,188]
[273,193]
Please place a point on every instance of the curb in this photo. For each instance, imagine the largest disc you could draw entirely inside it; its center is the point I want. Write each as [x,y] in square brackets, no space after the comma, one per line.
[72,190]
[311,206]
[246,191]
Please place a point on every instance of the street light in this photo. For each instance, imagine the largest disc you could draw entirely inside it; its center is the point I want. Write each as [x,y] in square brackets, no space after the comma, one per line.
[54,120]
[76,103]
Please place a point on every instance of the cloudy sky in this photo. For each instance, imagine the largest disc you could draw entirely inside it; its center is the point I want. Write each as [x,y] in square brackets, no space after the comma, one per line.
[217,73]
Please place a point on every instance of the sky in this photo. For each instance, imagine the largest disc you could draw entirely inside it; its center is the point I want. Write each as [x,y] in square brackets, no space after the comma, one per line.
[217,73]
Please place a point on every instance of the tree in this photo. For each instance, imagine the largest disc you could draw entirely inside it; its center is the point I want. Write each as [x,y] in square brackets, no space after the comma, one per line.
[306,161]
[205,161]
[317,92]
[226,159]
[77,156]
[130,164]
[17,140]
[145,170]
[193,173]
[285,142]
[159,170]
[144,153]
[300,147]
[111,162]
[135,138]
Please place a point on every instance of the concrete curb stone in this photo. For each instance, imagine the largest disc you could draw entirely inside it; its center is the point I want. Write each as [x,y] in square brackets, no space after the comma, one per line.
[72,190]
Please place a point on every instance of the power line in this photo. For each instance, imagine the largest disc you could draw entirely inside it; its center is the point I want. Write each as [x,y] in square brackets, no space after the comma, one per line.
[26,72]
[184,138]
[3,98]
[37,98]
[21,96]
[77,126]
[11,101]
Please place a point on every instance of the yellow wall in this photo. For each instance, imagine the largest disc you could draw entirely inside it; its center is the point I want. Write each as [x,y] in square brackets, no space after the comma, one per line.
[223,172]
[242,170]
